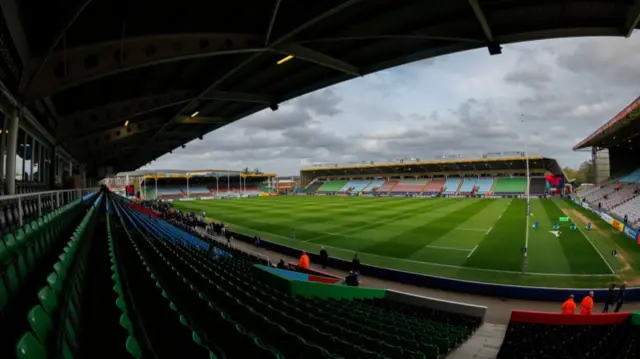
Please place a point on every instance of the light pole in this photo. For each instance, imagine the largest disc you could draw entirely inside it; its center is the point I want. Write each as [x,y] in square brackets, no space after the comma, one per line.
[526,155]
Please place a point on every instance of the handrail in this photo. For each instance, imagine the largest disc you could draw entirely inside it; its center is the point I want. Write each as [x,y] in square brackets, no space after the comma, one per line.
[58,199]
[31,194]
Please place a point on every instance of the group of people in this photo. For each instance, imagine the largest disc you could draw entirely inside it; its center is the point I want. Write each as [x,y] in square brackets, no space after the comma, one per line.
[352,278]
[614,300]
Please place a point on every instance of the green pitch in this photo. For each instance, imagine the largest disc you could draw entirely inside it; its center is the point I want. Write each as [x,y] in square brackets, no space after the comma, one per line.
[471,239]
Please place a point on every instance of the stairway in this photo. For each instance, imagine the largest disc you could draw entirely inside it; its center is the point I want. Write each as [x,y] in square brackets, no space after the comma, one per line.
[484,344]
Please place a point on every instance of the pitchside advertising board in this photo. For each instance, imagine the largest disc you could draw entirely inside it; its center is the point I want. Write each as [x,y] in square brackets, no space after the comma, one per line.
[629,231]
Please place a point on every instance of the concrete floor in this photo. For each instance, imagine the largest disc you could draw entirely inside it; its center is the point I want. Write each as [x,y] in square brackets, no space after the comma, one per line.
[498,310]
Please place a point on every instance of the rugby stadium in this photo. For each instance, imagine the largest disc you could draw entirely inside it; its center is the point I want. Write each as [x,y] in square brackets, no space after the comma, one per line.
[497,255]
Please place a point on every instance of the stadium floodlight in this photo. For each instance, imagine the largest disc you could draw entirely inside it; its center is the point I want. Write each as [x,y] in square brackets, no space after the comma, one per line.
[195,114]
[284,59]
[126,123]
[274,107]
[200,137]
[183,146]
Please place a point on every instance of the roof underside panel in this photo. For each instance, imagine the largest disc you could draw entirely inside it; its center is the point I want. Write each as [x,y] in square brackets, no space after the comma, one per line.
[621,127]
[95,65]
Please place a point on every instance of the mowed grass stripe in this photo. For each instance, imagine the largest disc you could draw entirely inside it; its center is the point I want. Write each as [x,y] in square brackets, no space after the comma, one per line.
[545,254]
[353,235]
[371,221]
[581,256]
[406,243]
[501,248]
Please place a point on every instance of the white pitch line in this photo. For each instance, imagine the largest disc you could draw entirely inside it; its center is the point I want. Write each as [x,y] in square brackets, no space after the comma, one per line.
[473,269]
[490,228]
[448,248]
[596,249]
[474,249]
[505,208]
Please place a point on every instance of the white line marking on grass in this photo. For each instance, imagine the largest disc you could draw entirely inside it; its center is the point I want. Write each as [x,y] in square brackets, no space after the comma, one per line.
[469,229]
[490,228]
[473,269]
[505,208]
[474,249]
[596,249]
[448,248]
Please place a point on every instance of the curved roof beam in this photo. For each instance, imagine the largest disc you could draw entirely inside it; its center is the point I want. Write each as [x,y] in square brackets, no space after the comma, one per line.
[494,47]
[633,18]
[64,69]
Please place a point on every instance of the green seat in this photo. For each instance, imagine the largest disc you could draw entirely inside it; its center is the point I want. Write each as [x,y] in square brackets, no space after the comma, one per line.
[29,347]
[40,323]
[48,300]
[54,283]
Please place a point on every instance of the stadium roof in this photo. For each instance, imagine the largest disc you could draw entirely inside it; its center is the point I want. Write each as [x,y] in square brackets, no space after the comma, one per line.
[118,83]
[622,127]
[449,167]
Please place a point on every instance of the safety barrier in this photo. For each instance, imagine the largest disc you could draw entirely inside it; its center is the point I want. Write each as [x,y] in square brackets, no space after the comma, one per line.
[449,284]
[20,208]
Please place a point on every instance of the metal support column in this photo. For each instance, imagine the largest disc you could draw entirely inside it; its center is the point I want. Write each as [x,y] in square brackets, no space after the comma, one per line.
[12,147]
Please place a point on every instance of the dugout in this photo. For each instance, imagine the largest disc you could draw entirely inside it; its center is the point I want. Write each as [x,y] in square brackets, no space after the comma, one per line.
[615,146]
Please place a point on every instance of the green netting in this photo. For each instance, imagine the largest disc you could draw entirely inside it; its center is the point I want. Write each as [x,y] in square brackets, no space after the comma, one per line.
[635,318]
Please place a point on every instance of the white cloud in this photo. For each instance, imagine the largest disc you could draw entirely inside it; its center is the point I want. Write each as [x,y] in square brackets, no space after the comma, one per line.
[548,94]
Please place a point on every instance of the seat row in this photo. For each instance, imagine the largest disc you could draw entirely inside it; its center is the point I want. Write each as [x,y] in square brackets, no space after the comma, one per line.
[251,295]
[54,323]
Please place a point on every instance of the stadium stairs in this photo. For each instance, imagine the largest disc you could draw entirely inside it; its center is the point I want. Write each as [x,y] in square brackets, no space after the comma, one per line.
[313,187]
[451,186]
[355,186]
[434,186]
[374,185]
[484,185]
[388,186]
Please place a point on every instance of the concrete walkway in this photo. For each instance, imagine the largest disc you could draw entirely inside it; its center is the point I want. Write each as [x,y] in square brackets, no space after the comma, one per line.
[498,310]
[483,344]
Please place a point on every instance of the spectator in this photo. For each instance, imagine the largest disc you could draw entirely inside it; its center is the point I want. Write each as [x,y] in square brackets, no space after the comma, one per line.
[586,306]
[352,279]
[256,241]
[569,306]
[324,257]
[626,218]
[355,263]
[620,299]
[610,297]
[281,264]
[304,261]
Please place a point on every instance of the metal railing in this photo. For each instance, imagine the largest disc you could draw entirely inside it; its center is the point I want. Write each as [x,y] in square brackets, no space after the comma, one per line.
[33,205]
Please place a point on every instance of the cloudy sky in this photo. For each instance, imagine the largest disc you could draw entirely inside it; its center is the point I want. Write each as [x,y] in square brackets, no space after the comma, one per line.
[550,94]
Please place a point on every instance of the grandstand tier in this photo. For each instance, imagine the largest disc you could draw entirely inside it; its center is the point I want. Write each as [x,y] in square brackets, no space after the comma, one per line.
[510,186]
[410,186]
[435,186]
[374,185]
[331,186]
[355,186]
[388,186]
[484,185]
[451,186]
